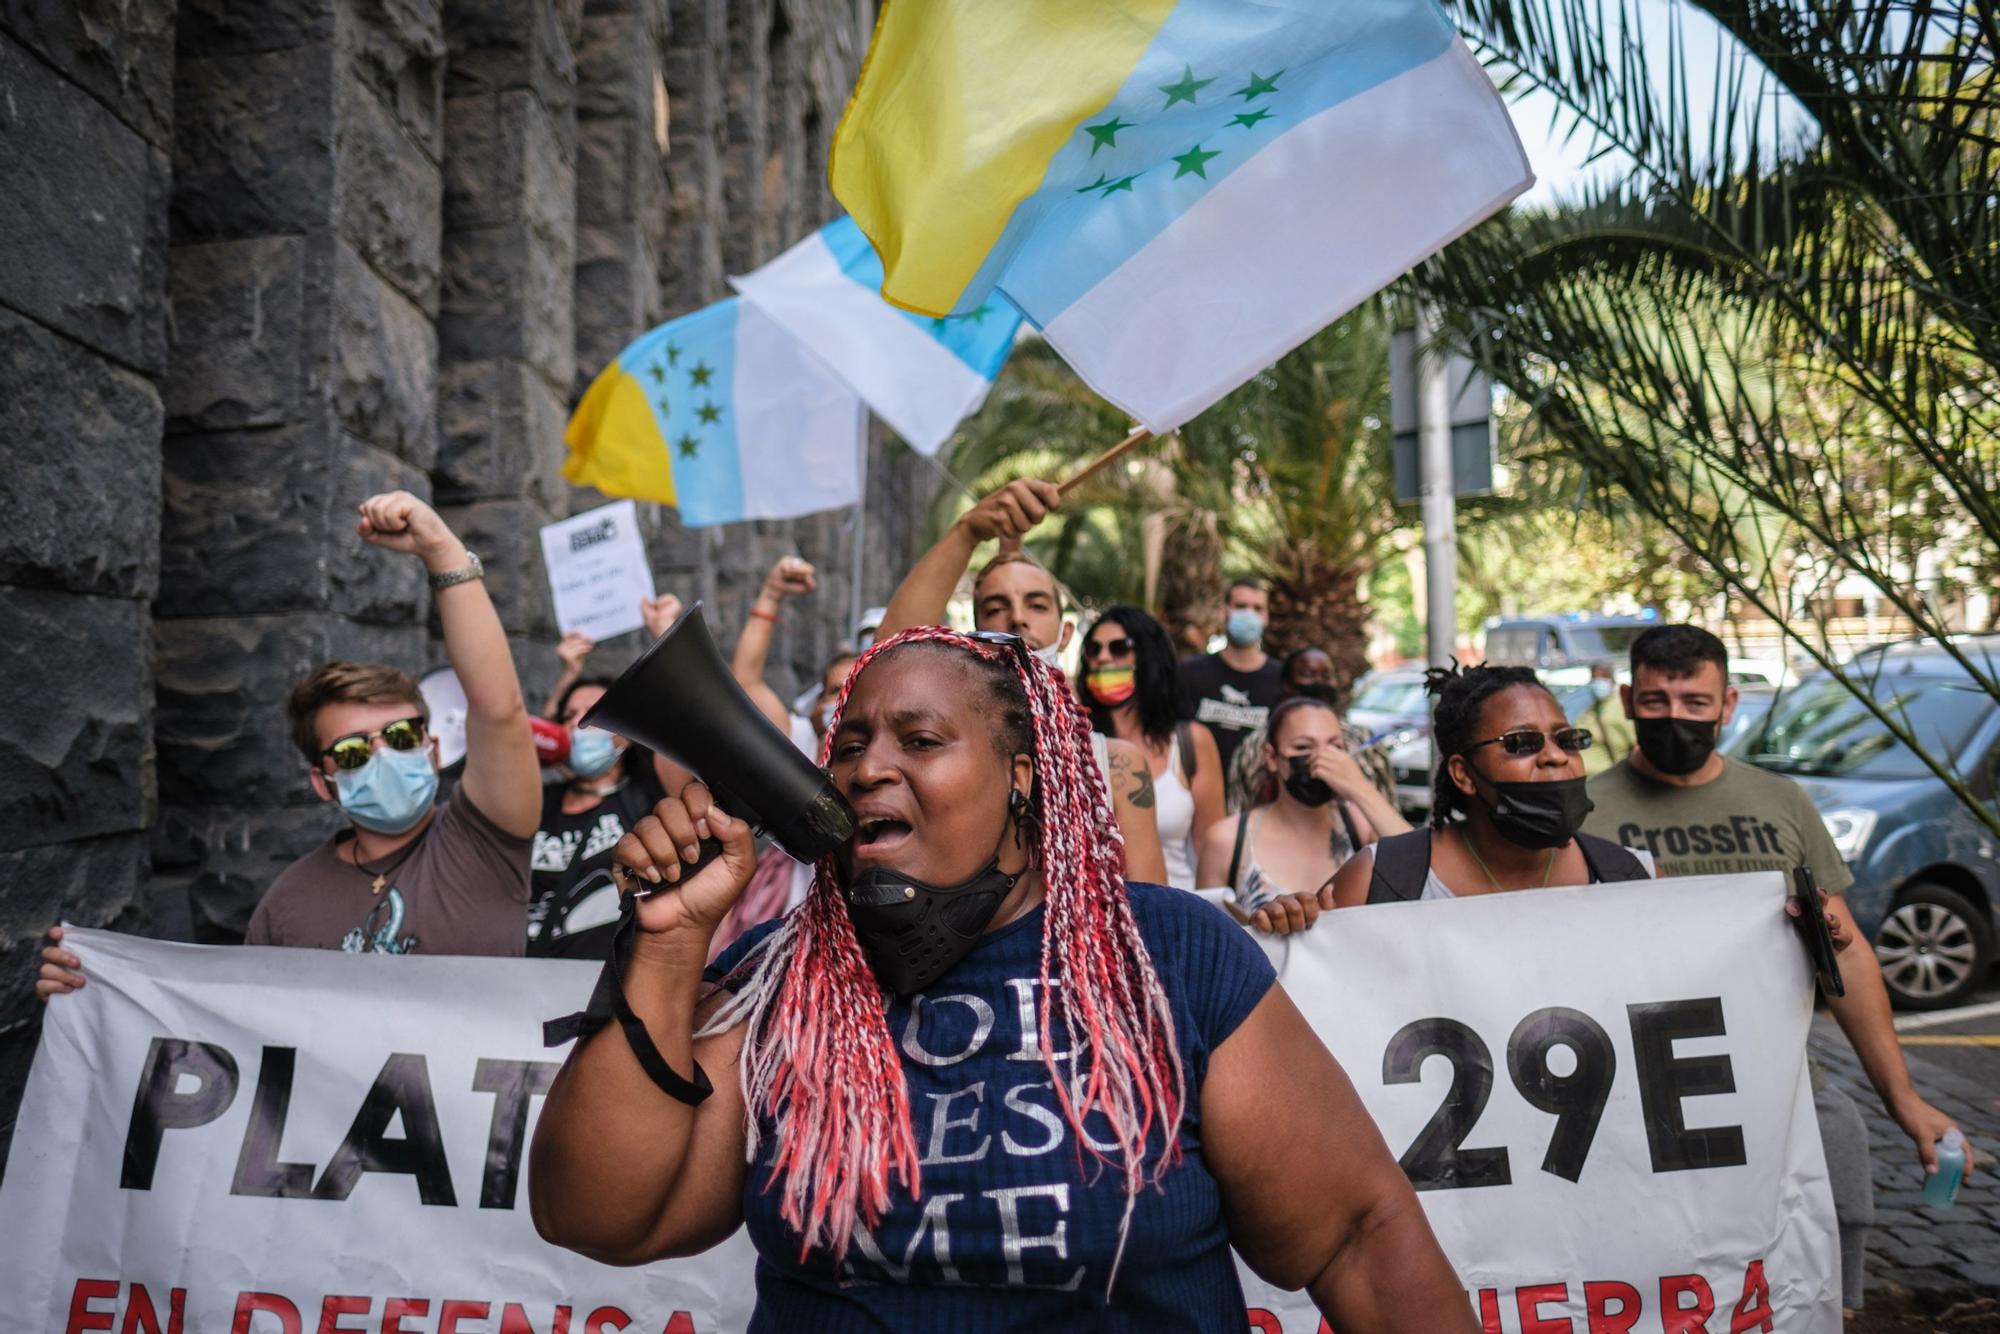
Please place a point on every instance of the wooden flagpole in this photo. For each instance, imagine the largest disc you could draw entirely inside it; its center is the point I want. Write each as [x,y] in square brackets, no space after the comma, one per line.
[1110,456]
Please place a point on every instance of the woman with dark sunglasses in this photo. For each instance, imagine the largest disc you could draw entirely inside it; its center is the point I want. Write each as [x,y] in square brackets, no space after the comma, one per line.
[1509,801]
[1131,684]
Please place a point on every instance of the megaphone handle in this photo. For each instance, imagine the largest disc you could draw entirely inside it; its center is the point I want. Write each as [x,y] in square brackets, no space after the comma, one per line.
[711,848]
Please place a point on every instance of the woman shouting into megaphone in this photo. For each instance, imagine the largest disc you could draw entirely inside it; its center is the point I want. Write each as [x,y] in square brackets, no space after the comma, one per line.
[976,1079]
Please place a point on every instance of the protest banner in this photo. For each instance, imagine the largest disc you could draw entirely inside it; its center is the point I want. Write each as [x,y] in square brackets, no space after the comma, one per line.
[1601,1093]
[597,570]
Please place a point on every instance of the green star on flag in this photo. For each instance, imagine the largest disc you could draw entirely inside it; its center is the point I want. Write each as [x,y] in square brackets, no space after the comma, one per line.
[1194,162]
[708,413]
[978,314]
[673,355]
[1185,90]
[659,373]
[666,410]
[1098,184]
[1122,183]
[1249,119]
[1258,86]
[701,374]
[1105,134]
[688,446]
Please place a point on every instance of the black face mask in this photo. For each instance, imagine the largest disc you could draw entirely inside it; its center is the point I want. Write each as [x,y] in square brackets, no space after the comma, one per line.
[1539,815]
[1677,745]
[1306,789]
[914,932]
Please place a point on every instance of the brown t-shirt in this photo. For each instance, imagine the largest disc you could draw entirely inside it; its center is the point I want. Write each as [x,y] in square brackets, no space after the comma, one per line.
[463,889]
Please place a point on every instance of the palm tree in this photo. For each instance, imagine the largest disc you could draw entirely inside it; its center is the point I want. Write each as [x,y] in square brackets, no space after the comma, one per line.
[1776,331]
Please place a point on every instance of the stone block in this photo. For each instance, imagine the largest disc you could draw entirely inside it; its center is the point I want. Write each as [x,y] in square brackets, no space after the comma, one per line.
[388,193]
[239,334]
[221,730]
[509,158]
[260,522]
[500,45]
[502,429]
[396,49]
[85,515]
[617,58]
[382,380]
[242,27]
[253,144]
[619,178]
[79,214]
[120,51]
[222,860]
[507,536]
[75,754]
[617,282]
[507,294]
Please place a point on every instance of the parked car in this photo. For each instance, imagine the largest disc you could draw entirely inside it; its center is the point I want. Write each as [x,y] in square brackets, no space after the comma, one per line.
[1392,707]
[1926,869]
[1753,702]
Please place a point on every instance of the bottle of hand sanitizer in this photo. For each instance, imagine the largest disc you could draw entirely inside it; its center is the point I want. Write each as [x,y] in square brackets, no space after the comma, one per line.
[1941,1186]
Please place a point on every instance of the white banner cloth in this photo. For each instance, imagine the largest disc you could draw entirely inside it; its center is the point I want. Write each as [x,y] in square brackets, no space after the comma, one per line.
[265,1141]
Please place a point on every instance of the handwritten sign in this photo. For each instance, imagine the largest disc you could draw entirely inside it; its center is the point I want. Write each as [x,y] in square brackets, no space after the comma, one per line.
[597,570]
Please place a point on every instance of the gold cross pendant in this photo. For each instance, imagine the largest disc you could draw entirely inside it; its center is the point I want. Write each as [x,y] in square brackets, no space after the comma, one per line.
[381,883]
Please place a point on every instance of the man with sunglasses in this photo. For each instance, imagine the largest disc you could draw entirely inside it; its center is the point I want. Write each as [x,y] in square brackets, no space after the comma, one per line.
[1015,594]
[407,874]
[1702,813]
[410,874]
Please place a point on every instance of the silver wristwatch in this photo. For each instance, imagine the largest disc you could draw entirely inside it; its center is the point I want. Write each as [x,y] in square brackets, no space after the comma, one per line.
[473,570]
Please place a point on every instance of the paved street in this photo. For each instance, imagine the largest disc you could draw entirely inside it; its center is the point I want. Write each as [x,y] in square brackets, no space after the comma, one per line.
[1922,1259]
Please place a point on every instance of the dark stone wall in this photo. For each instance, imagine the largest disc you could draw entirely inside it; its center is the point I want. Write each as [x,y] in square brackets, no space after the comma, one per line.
[259,260]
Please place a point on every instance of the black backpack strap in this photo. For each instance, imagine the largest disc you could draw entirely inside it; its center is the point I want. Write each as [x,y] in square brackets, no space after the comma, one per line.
[1402,863]
[1185,733]
[1236,856]
[1610,862]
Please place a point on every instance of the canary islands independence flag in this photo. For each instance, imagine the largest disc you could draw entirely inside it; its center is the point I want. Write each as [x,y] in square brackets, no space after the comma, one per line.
[723,415]
[1176,192]
[921,374]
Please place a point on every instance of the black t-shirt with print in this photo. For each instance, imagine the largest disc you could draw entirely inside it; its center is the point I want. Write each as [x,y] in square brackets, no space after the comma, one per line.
[1233,704]
[568,919]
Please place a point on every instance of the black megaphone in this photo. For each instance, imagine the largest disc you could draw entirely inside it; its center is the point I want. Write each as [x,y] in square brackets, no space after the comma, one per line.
[680,699]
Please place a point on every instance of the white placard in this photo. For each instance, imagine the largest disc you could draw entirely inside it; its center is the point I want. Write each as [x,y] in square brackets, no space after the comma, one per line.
[598,571]
[196,1120]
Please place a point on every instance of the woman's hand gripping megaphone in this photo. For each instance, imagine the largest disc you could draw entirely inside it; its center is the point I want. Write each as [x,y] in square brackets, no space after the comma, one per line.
[679,884]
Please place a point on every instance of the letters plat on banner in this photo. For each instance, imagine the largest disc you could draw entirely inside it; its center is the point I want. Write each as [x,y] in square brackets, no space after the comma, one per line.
[1600,1093]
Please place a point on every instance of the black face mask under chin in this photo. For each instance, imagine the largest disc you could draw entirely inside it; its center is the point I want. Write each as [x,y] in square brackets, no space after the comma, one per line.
[914,932]
[1676,745]
[1538,815]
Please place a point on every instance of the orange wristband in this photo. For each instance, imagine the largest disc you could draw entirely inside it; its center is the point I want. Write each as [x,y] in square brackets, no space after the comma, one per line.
[763,615]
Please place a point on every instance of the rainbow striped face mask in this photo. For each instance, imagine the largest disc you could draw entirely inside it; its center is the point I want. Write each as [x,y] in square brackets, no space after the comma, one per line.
[1110,685]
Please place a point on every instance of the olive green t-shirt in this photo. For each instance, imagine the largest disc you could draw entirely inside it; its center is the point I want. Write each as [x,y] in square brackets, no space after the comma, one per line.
[1748,819]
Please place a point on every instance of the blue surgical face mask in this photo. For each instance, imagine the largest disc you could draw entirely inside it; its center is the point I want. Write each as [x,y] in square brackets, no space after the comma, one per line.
[390,793]
[591,751]
[1244,627]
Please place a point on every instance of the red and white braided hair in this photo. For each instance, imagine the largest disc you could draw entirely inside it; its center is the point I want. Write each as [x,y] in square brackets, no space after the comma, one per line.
[819,1061]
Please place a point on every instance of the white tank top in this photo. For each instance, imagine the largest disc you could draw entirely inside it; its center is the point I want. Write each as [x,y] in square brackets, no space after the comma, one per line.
[1173,809]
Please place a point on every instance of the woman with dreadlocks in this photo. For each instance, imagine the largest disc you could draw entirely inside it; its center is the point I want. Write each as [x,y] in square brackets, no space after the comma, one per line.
[976,1079]
[1509,801]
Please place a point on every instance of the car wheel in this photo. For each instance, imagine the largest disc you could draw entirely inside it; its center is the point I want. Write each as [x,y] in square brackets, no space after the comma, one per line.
[1935,947]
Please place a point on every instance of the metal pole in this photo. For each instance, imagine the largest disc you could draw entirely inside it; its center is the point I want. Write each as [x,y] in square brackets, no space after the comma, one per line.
[860,546]
[1439,511]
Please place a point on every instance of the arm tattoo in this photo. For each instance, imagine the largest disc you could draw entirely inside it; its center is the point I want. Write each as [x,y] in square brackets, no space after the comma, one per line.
[1141,795]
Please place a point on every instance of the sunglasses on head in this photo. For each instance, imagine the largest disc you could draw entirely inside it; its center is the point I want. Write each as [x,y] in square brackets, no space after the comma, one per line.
[1117,648]
[1529,741]
[1006,639]
[354,750]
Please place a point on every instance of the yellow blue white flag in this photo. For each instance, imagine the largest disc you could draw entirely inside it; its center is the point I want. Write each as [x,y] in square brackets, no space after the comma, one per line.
[725,416]
[1177,192]
[919,373]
